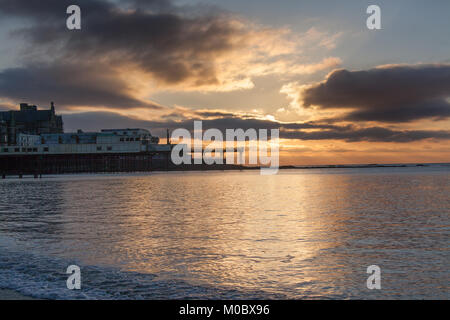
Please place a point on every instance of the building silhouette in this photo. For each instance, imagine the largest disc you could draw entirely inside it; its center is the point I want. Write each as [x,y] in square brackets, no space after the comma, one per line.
[28,120]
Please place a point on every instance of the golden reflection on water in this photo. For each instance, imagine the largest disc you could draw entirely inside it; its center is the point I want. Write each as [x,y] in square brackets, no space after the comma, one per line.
[213,229]
[299,233]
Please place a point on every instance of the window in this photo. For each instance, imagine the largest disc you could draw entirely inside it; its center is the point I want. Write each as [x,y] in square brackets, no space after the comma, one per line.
[122,139]
[128,139]
[45,149]
[131,139]
[34,149]
[24,149]
[5,150]
[109,148]
[138,139]
[17,150]
[29,150]
[99,148]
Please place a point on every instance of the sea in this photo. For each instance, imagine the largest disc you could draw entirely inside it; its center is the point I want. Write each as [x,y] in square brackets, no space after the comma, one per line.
[300,234]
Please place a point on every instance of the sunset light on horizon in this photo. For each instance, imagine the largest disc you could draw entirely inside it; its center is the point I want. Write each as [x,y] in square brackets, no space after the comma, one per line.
[164,64]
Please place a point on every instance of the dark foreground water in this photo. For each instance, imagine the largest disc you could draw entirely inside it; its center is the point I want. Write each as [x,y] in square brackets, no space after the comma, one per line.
[299,234]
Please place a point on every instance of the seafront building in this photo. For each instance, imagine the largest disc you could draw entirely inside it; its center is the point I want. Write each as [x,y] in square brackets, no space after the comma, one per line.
[33,141]
[33,131]
[28,120]
[105,141]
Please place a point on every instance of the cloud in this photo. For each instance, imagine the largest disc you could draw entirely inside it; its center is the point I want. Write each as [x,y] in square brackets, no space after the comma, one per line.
[437,109]
[299,131]
[170,46]
[186,49]
[69,85]
[371,134]
[326,63]
[393,93]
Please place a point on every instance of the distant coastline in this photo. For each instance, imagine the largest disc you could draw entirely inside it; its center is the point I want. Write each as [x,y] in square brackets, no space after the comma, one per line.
[362,166]
[223,167]
[352,166]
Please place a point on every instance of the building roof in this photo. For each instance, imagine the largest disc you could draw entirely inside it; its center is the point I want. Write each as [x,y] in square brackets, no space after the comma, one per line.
[27,116]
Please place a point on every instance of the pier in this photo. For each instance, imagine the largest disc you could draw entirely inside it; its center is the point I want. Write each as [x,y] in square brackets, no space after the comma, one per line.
[37,165]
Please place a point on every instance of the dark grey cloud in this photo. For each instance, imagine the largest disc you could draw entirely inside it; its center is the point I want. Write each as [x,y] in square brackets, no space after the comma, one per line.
[92,121]
[372,134]
[87,85]
[38,9]
[435,109]
[202,114]
[82,67]
[158,5]
[389,94]
[154,35]
[212,114]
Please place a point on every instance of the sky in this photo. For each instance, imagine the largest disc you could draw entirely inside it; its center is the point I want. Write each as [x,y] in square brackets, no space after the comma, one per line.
[339,92]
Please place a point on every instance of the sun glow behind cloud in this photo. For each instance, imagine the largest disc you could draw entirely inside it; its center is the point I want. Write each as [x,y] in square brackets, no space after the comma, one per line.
[129,63]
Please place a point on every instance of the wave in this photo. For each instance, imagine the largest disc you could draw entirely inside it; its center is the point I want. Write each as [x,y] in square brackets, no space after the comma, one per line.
[45,277]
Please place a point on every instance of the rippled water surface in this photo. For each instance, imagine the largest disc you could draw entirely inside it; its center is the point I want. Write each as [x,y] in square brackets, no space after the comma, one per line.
[298,234]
